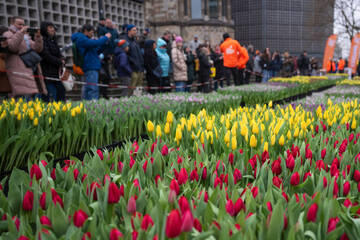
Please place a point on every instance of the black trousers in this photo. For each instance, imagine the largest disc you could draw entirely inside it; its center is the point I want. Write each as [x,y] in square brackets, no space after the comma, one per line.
[205,80]
[240,77]
[104,78]
[247,76]
[234,73]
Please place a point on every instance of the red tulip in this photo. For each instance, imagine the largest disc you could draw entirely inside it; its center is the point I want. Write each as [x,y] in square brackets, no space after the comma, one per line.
[290,162]
[187,222]
[175,186]
[231,158]
[265,156]
[204,173]
[43,200]
[239,205]
[323,153]
[183,176]
[53,174]
[295,179]
[164,150]
[76,174]
[320,164]
[276,167]
[217,182]
[357,175]
[145,166]
[173,223]
[146,222]
[23,238]
[115,234]
[317,128]
[308,153]
[269,206]
[83,178]
[114,193]
[28,201]
[194,175]
[183,204]
[358,187]
[312,212]
[86,236]
[56,198]
[44,220]
[325,182]
[285,196]
[134,235]
[347,203]
[285,221]
[197,225]
[230,208]
[131,207]
[335,189]
[307,174]
[254,191]
[120,166]
[277,181]
[237,175]
[35,170]
[346,188]
[132,162]
[79,218]
[100,154]
[332,224]
[344,236]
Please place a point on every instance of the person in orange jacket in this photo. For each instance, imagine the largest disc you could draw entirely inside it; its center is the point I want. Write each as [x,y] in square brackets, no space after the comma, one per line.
[341,65]
[242,60]
[231,49]
[330,66]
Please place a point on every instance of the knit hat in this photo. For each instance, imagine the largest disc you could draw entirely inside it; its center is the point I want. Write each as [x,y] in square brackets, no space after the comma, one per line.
[129,27]
[178,39]
[123,44]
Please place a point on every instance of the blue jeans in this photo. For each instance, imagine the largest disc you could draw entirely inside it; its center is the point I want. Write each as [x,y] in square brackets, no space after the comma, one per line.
[180,86]
[56,91]
[266,75]
[91,91]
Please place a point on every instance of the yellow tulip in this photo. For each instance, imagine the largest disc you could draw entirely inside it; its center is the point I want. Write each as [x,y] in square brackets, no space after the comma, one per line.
[19,117]
[296,132]
[288,134]
[167,128]
[36,121]
[150,126]
[273,138]
[282,140]
[73,113]
[178,134]
[169,117]
[255,129]
[227,137]
[50,120]
[270,104]
[353,124]
[253,141]
[266,146]
[233,143]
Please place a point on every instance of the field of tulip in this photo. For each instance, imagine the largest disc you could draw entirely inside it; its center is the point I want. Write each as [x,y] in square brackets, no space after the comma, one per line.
[262,172]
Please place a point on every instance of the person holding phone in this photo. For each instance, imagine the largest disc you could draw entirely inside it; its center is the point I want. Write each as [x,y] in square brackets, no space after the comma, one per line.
[23,62]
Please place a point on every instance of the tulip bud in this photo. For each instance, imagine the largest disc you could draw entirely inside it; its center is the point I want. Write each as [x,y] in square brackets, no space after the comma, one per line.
[146,222]
[183,176]
[295,179]
[187,222]
[357,175]
[79,218]
[35,170]
[28,201]
[131,207]
[164,150]
[312,212]
[231,158]
[254,191]
[230,209]
[44,220]
[269,206]
[173,223]
[76,174]
[115,234]
[184,204]
[346,188]
[114,193]
[204,173]
[100,154]
[175,186]
[276,167]
[332,224]
[197,225]
[43,200]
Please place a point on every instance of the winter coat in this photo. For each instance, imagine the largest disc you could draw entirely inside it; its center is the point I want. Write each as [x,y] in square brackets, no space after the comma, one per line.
[151,63]
[190,63]
[22,84]
[110,46]
[303,62]
[257,64]
[250,63]
[135,55]
[230,48]
[51,56]
[276,64]
[341,64]
[265,62]
[121,63]
[90,49]
[218,64]
[194,45]
[287,68]
[4,81]
[179,64]
[205,65]
[163,58]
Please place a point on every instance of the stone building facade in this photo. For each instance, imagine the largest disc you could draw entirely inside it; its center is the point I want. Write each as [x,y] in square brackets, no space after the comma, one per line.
[208,19]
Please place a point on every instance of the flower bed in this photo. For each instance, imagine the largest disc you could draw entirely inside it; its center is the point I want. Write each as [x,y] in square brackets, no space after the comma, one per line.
[299,79]
[350,82]
[252,173]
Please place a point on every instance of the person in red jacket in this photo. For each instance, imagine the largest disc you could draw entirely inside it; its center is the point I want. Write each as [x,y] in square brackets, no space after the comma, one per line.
[341,65]
[242,60]
[231,49]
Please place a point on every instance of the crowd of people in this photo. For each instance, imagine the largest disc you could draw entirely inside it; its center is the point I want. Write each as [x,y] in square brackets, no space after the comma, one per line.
[31,61]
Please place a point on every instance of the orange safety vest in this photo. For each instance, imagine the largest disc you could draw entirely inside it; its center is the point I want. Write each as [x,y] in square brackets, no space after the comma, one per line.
[330,66]
[341,64]
[230,49]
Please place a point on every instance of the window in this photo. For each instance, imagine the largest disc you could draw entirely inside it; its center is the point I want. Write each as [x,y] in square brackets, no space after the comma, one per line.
[214,9]
[185,7]
[196,9]
[224,8]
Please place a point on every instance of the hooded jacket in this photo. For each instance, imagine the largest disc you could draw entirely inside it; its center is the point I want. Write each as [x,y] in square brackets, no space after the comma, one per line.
[135,55]
[163,57]
[51,56]
[179,64]
[90,49]
[121,63]
[151,61]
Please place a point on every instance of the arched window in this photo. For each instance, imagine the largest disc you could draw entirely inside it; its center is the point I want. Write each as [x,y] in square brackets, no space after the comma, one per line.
[196,9]
[214,9]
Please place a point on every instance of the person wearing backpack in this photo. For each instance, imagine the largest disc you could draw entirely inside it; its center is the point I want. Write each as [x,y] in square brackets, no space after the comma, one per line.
[86,51]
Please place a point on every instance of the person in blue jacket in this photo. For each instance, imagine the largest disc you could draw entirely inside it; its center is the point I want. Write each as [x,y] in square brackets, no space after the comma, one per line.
[164,61]
[90,49]
[122,65]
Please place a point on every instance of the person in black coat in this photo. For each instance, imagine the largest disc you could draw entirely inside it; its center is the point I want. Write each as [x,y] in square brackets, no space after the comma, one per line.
[205,69]
[52,62]
[218,60]
[151,66]
[190,63]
